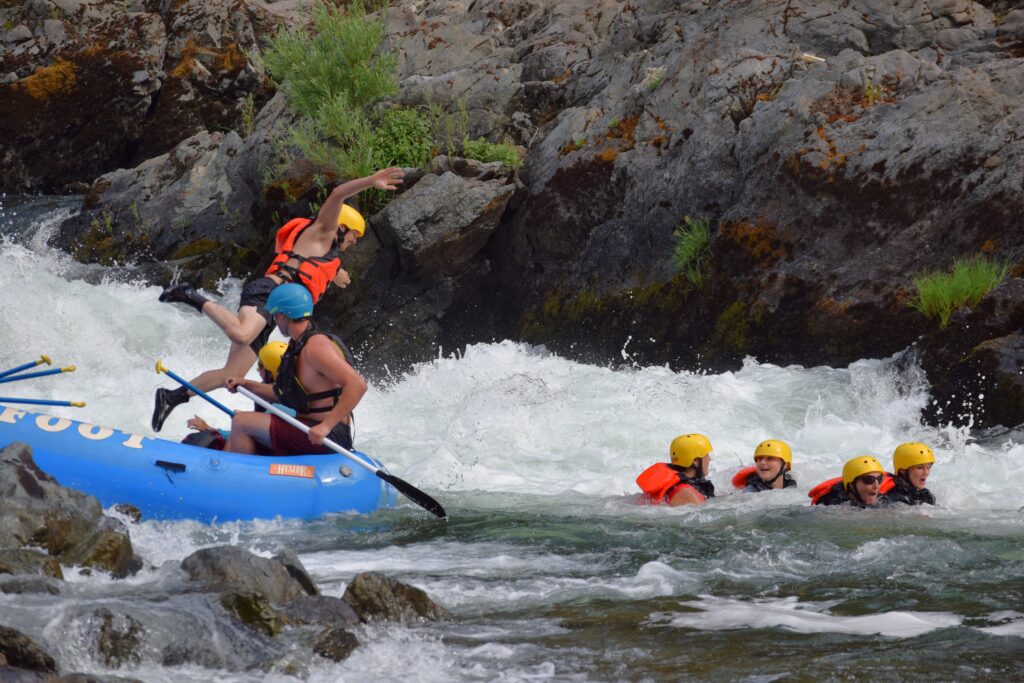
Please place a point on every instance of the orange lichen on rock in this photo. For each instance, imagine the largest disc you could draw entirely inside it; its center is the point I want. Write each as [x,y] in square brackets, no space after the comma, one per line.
[756,239]
[831,156]
[608,155]
[230,59]
[57,78]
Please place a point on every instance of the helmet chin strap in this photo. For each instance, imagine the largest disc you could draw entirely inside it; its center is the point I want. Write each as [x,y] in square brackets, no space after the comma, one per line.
[782,471]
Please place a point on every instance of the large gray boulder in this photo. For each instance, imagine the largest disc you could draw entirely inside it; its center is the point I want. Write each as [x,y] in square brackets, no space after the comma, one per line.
[231,568]
[37,510]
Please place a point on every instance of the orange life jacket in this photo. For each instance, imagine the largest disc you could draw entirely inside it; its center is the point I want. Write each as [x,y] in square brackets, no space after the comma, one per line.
[887,484]
[315,273]
[821,489]
[659,482]
[739,480]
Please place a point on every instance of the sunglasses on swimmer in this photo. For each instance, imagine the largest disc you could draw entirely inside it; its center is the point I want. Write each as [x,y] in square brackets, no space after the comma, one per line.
[872,479]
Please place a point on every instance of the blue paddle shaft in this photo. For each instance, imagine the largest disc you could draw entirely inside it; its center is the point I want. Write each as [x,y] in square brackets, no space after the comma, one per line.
[30,375]
[18,369]
[39,402]
[199,392]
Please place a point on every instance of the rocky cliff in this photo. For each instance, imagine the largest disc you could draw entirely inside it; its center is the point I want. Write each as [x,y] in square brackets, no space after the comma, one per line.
[836,150]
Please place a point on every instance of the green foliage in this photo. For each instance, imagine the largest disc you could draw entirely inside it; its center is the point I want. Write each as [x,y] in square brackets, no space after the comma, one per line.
[248,115]
[654,77]
[339,64]
[481,150]
[693,249]
[939,294]
[872,93]
[403,138]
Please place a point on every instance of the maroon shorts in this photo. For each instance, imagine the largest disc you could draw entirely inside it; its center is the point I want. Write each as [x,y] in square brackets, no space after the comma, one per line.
[288,440]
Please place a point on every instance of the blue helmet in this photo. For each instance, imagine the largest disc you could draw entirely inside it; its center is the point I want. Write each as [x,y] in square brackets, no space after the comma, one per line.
[291,300]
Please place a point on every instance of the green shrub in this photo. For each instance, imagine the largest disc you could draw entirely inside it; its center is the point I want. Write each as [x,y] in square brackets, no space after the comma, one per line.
[481,150]
[693,249]
[939,294]
[403,138]
[333,77]
[341,57]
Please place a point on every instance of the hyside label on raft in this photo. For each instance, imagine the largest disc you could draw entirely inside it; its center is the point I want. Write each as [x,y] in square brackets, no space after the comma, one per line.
[281,470]
[54,425]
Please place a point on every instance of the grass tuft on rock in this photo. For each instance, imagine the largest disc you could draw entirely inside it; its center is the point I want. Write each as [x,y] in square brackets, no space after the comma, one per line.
[481,150]
[693,249]
[939,293]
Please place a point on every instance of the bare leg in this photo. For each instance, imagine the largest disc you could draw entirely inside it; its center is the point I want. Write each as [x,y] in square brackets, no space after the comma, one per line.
[247,431]
[241,328]
[240,360]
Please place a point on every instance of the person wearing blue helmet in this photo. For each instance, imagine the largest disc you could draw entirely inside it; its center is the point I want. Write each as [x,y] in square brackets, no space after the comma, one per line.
[315,378]
[307,252]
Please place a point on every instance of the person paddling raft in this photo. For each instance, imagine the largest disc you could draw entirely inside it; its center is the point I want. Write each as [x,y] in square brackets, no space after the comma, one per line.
[860,485]
[308,253]
[773,461]
[912,463]
[681,482]
[315,378]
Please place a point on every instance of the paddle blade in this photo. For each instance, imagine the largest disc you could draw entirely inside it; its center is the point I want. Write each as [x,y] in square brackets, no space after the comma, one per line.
[414,494]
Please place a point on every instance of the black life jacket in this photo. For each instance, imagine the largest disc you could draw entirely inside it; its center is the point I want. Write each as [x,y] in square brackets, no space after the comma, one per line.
[287,387]
[755,484]
[904,492]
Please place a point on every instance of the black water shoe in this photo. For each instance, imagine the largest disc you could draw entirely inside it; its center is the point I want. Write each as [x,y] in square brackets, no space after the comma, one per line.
[166,401]
[184,294]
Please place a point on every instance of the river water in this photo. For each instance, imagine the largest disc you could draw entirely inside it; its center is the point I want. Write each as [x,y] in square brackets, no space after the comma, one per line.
[553,570]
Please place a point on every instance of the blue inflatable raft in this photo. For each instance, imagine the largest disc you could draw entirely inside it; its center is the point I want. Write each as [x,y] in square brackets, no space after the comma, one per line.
[169,480]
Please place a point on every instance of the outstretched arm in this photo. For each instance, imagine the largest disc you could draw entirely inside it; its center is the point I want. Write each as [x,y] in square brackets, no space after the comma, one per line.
[385,179]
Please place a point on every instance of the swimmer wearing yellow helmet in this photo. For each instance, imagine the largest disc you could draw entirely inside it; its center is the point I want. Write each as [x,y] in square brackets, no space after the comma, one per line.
[681,482]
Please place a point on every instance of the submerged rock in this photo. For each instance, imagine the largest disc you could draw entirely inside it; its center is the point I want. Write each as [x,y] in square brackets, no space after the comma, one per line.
[25,561]
[376,597]
[335,644]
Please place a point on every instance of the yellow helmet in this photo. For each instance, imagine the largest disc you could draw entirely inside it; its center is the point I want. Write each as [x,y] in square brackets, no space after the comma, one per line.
[270,356]
[774,448]
[687,448]
[352,219]
[862,464]
[908,455]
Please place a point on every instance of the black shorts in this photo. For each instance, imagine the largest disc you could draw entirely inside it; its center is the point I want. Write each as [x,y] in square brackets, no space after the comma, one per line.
[255,293]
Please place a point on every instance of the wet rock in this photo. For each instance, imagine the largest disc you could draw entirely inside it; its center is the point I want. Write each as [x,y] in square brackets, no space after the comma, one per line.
[172,206]
[25,561]
[21,652]
[974,364]
[19,585]
[120,638]
[229,568]
[335,644]
[130,511]
[107,550]
[320,610]
[294,566]
[376,597]
[37,510]
[253,610]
